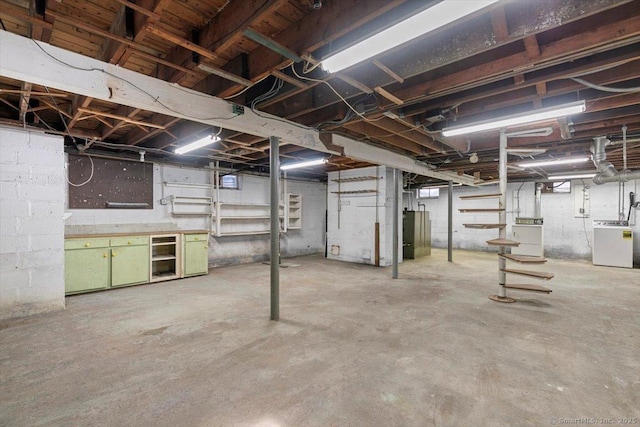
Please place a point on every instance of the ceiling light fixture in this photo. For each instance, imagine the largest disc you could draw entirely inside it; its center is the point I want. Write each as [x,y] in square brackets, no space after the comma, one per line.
[415,26]
[518,119]
[553,162]
[572,176]
[303,164]
[207,140]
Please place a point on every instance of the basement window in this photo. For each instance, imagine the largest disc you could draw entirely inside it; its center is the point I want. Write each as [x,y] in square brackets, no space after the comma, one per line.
[230,182]
[556,187]
[428,193]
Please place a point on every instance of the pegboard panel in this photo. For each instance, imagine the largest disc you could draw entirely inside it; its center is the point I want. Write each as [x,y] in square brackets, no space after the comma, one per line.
[115,184]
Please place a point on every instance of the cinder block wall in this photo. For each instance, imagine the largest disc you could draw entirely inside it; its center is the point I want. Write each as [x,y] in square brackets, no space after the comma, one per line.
[31,223]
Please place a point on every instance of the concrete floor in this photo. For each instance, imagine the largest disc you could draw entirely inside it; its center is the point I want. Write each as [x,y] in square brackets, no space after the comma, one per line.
[354,348]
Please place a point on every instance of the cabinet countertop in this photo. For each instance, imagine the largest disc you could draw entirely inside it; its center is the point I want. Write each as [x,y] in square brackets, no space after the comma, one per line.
[142,233]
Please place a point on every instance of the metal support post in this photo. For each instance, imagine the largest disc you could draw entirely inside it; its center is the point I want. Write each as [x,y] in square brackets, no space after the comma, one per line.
[450,223]
[502,174]
[394,274]
[274,172]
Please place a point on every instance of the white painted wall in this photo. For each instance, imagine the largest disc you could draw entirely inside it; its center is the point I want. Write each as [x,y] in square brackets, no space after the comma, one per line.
[352,217]
[565,236]
[222,250]
[32,229]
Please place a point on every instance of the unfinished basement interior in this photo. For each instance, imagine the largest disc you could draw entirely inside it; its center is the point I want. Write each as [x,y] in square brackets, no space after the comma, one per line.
[284,213]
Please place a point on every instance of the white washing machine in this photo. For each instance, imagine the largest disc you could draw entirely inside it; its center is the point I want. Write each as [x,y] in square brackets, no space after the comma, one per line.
[613,246]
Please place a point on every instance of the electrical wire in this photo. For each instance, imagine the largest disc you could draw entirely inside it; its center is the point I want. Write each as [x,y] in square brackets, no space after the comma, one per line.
[337,94]
[584,224]
[88,179]
[156,99]
[606,88]
[64,122]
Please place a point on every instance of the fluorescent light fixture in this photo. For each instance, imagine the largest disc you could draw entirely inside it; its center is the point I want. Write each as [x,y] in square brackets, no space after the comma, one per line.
[519,119]
[302,164]
[415,26]
[573,176]
[553,162]
[209,139]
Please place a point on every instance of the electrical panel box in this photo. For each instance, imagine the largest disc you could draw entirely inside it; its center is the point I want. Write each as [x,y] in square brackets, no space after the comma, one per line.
[582,201]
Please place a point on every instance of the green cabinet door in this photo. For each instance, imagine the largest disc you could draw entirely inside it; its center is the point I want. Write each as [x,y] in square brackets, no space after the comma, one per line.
[86,269]
[196,254]
[129,265]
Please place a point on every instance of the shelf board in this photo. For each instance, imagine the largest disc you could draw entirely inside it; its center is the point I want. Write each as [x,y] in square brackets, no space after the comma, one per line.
[356,179]
[530,288]
[163,257]
[164,274]
[245,205]
[243,233]
[537,274]
[482,196]
[485,226]
[190,214]
[242,218]
[482,210]
[164,243]
[503,242]
[524,259]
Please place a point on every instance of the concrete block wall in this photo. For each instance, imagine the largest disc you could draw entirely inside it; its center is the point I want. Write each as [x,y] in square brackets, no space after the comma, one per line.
[565,236]
[352,217]
[222,250]
[32,188]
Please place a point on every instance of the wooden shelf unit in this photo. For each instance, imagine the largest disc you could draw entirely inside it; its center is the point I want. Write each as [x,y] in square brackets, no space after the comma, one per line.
[165,257]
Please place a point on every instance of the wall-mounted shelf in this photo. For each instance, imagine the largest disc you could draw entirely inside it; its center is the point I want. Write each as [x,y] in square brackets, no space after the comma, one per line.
[355,192]
[356,179]
[242,219]
[191,206]
[294,211]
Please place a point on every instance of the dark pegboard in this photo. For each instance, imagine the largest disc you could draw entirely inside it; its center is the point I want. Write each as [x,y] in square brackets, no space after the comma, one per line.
[116,184]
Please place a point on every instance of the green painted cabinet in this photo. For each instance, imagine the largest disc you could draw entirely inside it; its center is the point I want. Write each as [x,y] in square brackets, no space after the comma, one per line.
[87,264]
[196,254]
[129,260]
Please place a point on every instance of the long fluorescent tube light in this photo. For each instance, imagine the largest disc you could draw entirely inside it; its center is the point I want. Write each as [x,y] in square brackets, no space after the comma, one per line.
[415,26]
[302,164]
[572,176]
[207,140]
[553,162]
[518,119]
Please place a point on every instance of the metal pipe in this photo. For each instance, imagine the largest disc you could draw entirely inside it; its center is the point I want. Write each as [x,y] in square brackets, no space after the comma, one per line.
[450,223]
[502,204]
[394,273]
[274,172]
[623,176]
[537,211]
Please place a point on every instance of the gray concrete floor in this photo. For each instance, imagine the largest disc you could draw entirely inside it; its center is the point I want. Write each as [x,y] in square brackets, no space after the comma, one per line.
[353,348]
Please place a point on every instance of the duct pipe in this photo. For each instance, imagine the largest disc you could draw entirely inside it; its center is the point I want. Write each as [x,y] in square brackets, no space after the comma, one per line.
[606,171]
[623,176]
[537,207]
[605,168]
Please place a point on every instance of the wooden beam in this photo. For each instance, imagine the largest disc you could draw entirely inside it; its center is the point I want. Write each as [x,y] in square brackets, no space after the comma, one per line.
[20,59]
[389,71]
[289,79]
[121,118]
[499,22]
[389,96]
